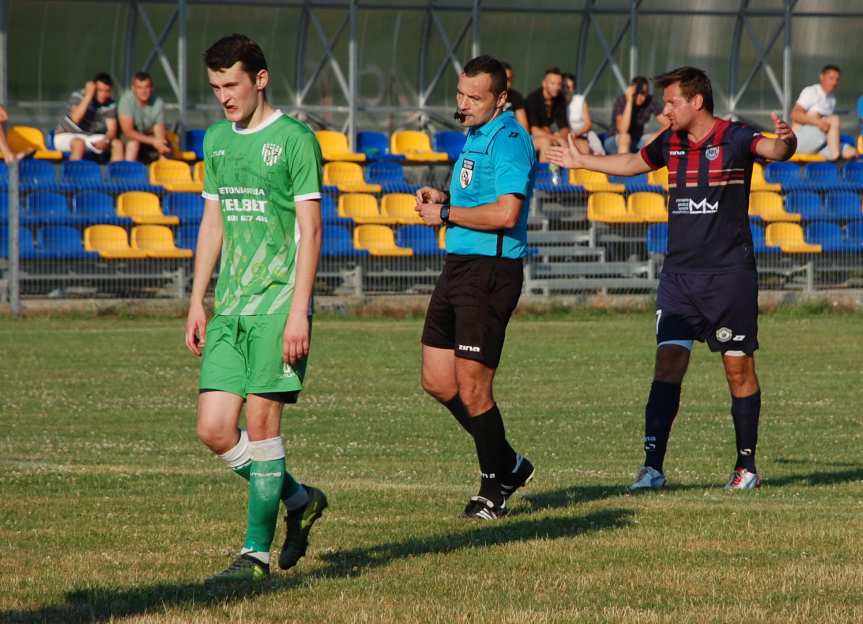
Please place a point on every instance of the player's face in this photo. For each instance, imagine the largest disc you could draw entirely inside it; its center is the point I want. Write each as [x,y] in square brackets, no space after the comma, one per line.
[236,92]
[142,89]
[552,84]
[103,92]
[476,101]
[679,111]
[829,80]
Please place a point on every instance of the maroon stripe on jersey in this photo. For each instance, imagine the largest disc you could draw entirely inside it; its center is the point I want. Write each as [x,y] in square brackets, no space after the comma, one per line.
[716,166]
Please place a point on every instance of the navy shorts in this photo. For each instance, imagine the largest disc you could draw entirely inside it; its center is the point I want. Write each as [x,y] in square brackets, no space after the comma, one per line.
[719,308]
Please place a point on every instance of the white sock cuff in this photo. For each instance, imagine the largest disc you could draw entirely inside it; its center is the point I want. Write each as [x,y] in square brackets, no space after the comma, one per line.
[267,450]
[238,456]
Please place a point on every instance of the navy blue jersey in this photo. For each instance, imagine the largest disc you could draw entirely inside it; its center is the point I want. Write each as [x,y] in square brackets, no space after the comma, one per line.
[708,205]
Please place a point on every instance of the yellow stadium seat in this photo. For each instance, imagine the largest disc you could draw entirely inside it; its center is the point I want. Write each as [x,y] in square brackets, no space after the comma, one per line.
[362,208]
[769,206]
[860,144]
[401,207]
[609,208]
[334,146]
[789,238]
[179,154]
[110,241]
[593,181]
[198,172]
[25,139]
[348,177]
[659,177]
[807,158]
[759,183]
[174,175]
[378,240]
[143,208]
[157,241]
[647,207]
[415,146]
[441,237]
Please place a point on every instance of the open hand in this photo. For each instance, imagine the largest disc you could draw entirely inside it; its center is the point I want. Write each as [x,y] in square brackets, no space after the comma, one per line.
[568,156]
[783,130]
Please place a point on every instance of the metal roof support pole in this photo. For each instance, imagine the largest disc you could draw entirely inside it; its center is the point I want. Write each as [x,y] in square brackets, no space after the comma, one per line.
[353,70]
[474,47]
[608,53]
[786,62]
[583,36]
[131,31]
[300,55]
[633,39]
[734,61]
[182,68]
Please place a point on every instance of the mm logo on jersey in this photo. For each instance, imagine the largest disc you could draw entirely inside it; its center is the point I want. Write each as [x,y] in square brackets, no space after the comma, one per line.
[466,174]
[270,153]
[690,206]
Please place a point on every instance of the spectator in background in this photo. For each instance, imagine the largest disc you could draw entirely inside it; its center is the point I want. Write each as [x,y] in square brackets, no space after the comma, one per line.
[578,115]
[142,120]
[815,124]
[546,113]
[632,111]
[514,99]
[90,124]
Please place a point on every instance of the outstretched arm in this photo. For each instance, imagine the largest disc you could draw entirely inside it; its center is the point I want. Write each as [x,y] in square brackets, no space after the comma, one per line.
[617,164]
[780,148]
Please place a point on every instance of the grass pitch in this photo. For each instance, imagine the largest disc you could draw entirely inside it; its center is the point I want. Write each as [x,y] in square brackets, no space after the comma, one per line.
[111,511]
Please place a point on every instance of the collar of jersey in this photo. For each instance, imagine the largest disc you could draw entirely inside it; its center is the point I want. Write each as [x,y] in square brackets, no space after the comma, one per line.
[491,126]
[269,120]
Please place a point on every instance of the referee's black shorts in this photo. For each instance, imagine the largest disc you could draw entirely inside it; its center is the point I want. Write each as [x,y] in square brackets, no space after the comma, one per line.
[471,305]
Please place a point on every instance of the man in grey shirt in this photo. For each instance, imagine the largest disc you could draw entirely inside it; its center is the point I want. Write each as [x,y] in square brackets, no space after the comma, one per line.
[90,123]
[142,119]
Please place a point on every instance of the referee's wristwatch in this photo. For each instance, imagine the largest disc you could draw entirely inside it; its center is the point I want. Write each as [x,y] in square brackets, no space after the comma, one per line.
[444,214]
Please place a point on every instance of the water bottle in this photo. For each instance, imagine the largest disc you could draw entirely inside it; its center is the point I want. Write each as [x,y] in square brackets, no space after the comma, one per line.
[555,174]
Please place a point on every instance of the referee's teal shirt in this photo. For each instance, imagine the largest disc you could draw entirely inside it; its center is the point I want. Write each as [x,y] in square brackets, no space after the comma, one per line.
[498,159]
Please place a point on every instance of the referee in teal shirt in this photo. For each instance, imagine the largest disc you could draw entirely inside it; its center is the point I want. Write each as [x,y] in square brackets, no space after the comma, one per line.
[485,213]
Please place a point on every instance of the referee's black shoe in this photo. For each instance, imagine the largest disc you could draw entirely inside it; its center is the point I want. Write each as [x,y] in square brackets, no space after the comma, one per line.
[518,478]
[481,508]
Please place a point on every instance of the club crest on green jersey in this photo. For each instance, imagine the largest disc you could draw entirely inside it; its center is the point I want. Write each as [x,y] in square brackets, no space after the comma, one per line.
[270,153]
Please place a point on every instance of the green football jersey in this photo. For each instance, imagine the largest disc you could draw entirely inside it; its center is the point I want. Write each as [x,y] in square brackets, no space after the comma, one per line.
[258,175]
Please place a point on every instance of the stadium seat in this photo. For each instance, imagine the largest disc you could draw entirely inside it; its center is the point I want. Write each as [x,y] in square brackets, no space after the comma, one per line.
[829,236]
[441,237]
[92,207]
[189,207]
[378,240]
[854,234]
[376,146]
[178,152]
[594,181]
[334,146]
[330,212]
[338,242]
[61,242]
[806,158]
[362,208]
[187,236]
[143,208]
[787,174]
[647,207]
[4,172]
[822,176]
[110,242]
[37,173]
[852,173]
[449,141]
[759,183]
[174,176]
[805,203]
[769,207]
[348,177]
[198,172]
[758,244]
[391,177]
[25,138]
[789,238]
[401,207]
[657,238]
[45,207]
[421,238]
[609,208]
[125,171]
[157,241]
[843,205]
[659,177]
[26,246]
[415,146]
[195,141]
[543,180]
[635,184]
[81,173]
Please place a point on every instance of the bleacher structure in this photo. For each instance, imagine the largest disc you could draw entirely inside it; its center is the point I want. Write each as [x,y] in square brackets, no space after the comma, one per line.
[125,228]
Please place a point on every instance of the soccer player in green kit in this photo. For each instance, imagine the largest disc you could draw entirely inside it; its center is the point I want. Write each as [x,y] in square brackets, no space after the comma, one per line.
[262,214]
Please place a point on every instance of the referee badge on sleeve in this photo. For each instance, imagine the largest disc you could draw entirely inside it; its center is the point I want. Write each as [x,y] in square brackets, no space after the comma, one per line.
[466,174]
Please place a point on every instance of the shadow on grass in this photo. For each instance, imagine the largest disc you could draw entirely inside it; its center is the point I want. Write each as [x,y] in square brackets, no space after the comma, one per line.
[818,478]
[101,604]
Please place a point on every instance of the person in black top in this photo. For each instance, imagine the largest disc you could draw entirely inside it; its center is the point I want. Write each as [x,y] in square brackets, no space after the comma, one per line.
[708,289]
[546,112]
[514,99]
[631,112]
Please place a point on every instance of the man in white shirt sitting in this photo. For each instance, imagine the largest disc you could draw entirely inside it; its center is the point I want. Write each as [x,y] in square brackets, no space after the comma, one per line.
[815,124]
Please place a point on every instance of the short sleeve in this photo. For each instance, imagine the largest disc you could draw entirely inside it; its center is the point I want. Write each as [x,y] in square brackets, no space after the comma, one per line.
[109,111]
[125,106]
[159,105]
[512,161]
[743,140]
[655,153]
[211,186]
[531,109]
[304,167]
[807,98]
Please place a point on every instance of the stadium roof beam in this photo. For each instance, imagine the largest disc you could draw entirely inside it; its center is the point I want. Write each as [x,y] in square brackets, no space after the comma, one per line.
[4,53]
[609,50]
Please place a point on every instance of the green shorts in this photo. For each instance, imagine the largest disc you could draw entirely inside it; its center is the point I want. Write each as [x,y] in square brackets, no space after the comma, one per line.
[243,355]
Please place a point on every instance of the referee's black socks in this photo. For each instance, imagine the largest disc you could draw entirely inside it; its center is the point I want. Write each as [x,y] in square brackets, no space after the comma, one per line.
[659,415]
[494,453]
[457,409]
[745,412]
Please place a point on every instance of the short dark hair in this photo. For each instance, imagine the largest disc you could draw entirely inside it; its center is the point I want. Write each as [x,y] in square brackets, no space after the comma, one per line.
[552,70]
[568,76]
[642,85]
[141,76]
[486,64]
[693,81]
[506,66]
[104,78]
[830,67]
[236,48]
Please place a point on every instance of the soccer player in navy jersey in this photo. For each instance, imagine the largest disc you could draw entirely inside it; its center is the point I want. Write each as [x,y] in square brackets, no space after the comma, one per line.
[708,289]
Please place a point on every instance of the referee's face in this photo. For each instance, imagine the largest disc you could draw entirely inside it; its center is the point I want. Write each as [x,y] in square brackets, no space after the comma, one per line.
[476,101]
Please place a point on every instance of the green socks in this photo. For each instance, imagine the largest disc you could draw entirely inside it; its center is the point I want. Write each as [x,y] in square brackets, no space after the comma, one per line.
[239,460]
[266,480]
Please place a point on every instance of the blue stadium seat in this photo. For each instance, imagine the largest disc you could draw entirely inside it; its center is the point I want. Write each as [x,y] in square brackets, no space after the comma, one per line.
[843,205]
[823,176]
[449,141]
[758,240]
[188,206]
[421,238]
[337,241]
[636,184]
[853,174]
[330,212]
[4,172]
[785,173]
[657,238]
[26,247]
[125,171]
[39,173]
[376,146]
[45,207]
[93,207]
[61,242]
[854,235]
[543,181]
[829,236]
[195,141]
[187,236]
[81,173]
[391,177]
[805,203]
